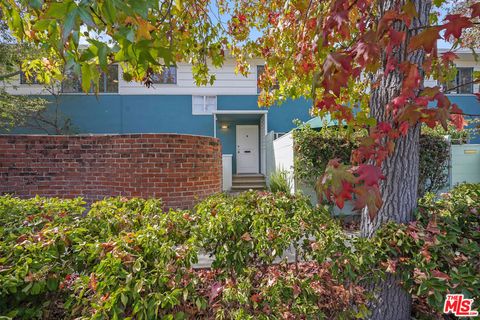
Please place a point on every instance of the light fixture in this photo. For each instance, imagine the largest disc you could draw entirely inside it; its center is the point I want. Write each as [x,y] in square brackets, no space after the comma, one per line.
[224,126]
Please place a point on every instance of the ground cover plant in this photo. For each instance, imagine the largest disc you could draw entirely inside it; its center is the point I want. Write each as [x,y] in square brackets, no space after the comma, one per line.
[128,259]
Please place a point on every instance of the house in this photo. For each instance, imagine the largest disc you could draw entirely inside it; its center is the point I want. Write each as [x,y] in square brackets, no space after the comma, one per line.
[227,109]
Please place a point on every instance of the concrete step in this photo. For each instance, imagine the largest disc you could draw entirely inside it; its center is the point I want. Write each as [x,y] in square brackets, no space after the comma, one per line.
[249,187]
[248,177]
[247,182]
[244,182]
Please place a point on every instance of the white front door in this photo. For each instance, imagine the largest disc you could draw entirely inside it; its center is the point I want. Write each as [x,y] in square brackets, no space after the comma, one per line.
[247,149]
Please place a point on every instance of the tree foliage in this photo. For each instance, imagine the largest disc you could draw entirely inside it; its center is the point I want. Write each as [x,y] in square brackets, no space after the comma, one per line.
[471,36]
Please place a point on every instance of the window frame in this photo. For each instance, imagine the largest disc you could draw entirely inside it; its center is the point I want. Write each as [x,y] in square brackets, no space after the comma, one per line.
[175,77]
[103,78]
[205,112]
[456,81]
[24,81]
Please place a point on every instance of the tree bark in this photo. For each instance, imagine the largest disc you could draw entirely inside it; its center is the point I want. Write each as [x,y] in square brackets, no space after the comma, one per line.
[399,189]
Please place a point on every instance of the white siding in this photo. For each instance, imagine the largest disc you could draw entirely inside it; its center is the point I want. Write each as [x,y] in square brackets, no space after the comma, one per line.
[227,82]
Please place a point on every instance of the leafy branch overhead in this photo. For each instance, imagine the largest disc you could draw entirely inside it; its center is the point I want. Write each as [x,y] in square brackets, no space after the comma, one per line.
[142,36]
[361,61]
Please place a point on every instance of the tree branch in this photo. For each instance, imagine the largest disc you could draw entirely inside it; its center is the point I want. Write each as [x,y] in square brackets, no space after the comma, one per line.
[462,85]
[9,75]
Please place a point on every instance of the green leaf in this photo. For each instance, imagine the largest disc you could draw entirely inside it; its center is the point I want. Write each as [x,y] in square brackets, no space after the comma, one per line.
[36,4]
[109,11]
[69,23]
[42,24]
[86,17]
[86,70]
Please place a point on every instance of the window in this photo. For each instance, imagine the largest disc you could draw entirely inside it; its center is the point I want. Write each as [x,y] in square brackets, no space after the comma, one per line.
[260,71]
[167,76]
[461,83]
[108,82]
[204,105]
[277,135]
[24,80]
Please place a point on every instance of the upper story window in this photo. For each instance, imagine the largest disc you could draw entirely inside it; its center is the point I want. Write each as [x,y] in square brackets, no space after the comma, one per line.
[167,76]
[260,71]
[108,82]
[462,82]
[24,80]
[204,105]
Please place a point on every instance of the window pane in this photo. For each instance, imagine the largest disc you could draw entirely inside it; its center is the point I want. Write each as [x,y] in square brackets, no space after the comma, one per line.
[465,76]
[112,79]
[167,76]
[260,71]
[25,80]
[204,104]
[71,82]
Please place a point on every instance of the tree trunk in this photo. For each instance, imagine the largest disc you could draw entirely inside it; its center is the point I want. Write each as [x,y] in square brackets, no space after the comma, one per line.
[399,189]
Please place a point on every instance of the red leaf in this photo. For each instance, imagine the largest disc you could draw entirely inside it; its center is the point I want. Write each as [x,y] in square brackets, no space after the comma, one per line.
[384,127]
[411,78]
[448,57]
[369,174]
[456,24]
[440,275]
[367,50]
[370,198]
[427,39]
[256,298]
[215,291]
[457,118]
[477,95]
[345,194]
[475,10]
[404,126]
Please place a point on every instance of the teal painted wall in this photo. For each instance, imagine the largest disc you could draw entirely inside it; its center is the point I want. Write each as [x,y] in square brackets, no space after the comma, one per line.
[468,104]
[161,113]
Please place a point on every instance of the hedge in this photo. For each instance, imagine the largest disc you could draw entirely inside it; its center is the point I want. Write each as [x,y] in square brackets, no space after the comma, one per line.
[128,259]
[315,148]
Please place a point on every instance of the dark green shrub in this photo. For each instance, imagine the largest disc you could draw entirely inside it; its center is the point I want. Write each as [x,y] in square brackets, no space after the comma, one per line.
[315,148]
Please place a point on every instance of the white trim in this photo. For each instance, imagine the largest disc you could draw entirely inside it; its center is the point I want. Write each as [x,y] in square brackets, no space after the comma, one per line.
[240,112]
[205,112]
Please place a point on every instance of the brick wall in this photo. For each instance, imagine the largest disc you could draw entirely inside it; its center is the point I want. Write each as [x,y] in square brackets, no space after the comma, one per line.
[180,169]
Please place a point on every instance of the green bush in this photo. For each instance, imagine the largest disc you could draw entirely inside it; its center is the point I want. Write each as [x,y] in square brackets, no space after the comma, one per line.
[280,182]
[128,259]
[315,148]
[440,252]
[254,228]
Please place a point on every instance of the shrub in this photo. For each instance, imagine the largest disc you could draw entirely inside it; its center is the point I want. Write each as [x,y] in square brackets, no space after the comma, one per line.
[315,148]
[34,244]
[253,228]
[440,252]
[433,166]
[129,259]
[280,182]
